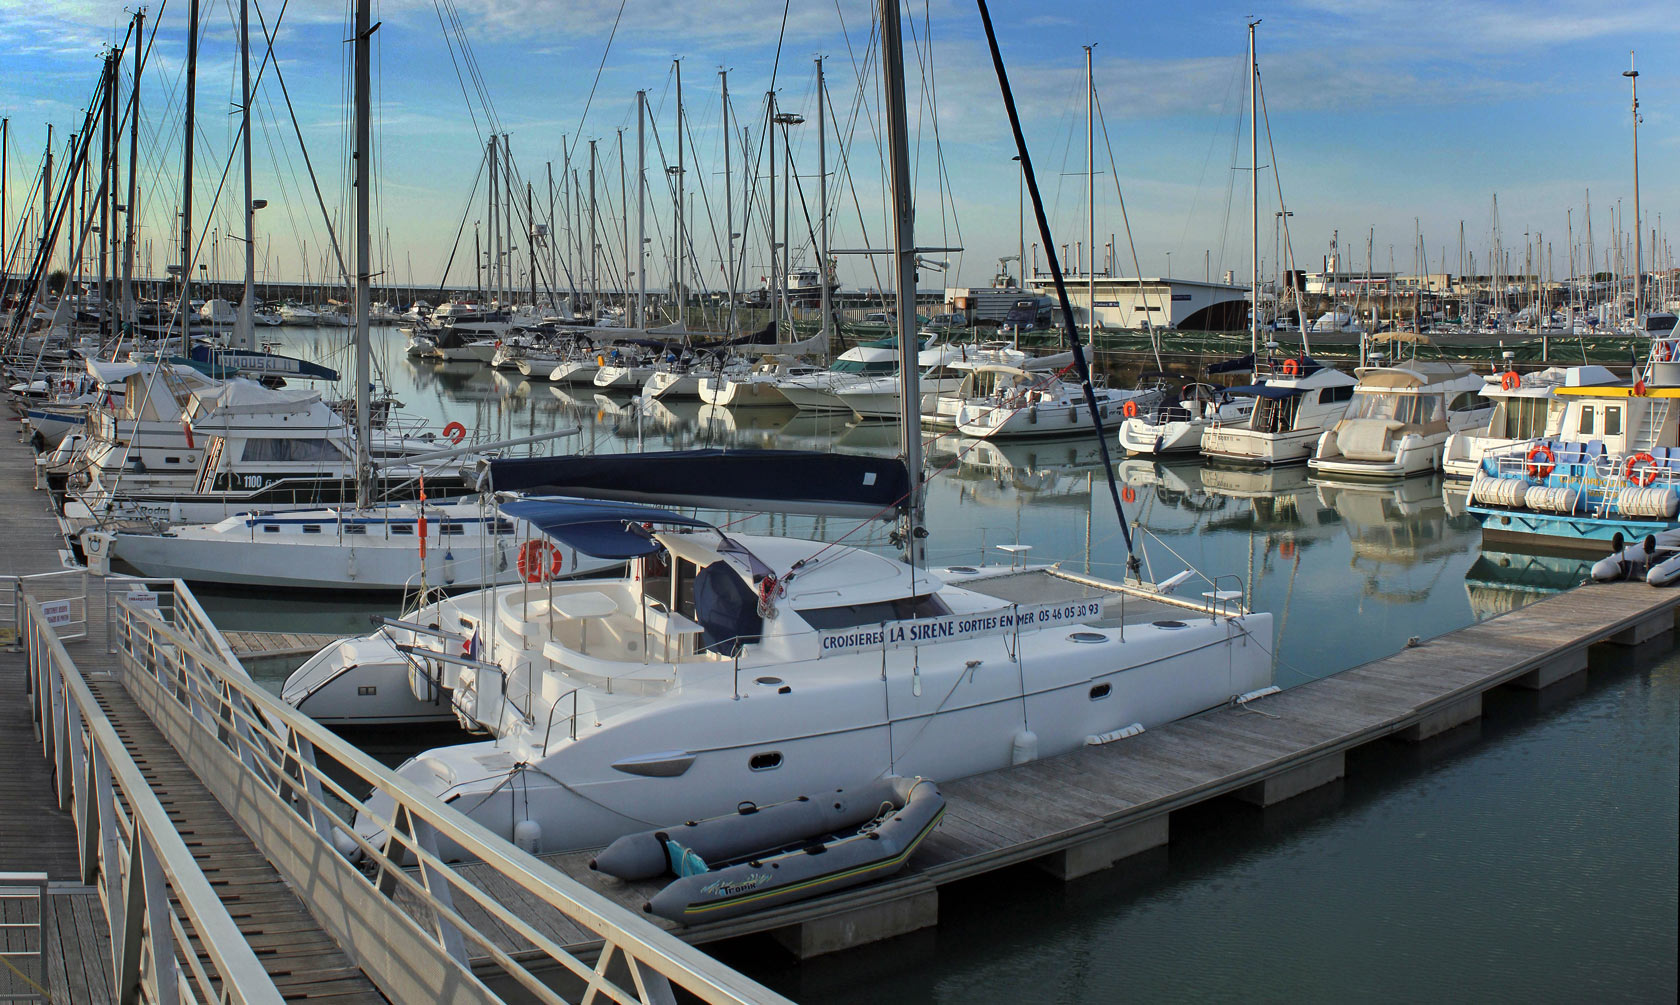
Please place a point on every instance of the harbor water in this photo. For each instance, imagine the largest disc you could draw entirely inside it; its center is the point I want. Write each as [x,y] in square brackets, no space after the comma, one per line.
[1532,855]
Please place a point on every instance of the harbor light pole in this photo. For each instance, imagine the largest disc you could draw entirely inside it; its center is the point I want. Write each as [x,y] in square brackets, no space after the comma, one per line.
[1632,74]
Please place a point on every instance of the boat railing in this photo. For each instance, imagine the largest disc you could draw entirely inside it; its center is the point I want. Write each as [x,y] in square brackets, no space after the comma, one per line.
[169,930]
[420,928]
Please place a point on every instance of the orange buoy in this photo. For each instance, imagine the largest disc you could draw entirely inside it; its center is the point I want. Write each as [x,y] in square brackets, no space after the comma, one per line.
[1537,467]
[1510,380]
[1644,463]
[1128,494]
[1130,409]
[539,561]
[455,431]
[1291,367]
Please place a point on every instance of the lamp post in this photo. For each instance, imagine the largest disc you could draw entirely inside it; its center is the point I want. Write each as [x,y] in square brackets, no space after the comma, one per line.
[1638,233]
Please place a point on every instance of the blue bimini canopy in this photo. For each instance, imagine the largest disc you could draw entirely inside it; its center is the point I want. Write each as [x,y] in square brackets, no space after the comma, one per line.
[1264,391]
[604,530]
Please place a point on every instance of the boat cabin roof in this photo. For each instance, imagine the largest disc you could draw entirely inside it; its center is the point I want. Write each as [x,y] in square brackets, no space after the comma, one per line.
[1412,376]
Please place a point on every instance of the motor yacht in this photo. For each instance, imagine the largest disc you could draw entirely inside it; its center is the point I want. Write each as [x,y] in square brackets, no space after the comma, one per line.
[1399,419]
[1007,401]
[1175,424]
[1296,402]
[1522,412]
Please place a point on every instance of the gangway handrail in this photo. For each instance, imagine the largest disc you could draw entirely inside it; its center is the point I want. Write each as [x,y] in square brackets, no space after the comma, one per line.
[130,848]
[274,745]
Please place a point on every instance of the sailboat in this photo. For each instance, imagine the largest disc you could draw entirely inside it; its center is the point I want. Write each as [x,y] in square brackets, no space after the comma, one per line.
[727,667]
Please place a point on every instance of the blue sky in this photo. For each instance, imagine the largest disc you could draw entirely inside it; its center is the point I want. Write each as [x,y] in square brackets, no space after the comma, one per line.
[1382,113]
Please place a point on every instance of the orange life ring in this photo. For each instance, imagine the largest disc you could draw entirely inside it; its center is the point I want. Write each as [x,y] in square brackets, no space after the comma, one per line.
[1130,408]
[1665,352]
[67,384]
[1537,468]
[1640,460]
[539,561]
[1509,381]
[1128,494]
[1291,367]
[455,431]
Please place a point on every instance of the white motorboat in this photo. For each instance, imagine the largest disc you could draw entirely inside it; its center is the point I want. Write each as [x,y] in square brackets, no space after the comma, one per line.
[1007,401]
[759,387]
[1176,427]
[297,314]
[1523,407]
[820,391]
[1399,419]
[1298,400]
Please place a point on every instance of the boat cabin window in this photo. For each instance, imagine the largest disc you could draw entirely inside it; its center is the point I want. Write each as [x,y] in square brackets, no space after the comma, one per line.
[927,605]
[1589,421]
[1612,420]
[1468,401]
[1411,409]
[287,451]
[1330,395]
[1520,418]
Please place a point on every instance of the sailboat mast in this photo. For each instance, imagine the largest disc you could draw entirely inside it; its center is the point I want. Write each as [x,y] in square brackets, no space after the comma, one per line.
[1254,201]
[364,175]
[133,185]
[242,323]
[678,261]
[493,264]
[187,179]
[641,209]
[594,244]
[904,261]
[728,203]
[822,208]
[1090,199]
[553,240]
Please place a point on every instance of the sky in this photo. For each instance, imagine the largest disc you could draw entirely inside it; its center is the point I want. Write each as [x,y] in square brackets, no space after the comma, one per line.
[1391,125]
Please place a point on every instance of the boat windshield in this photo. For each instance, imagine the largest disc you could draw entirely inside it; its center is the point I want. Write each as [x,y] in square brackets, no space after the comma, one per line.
[928,605]
[1411,409]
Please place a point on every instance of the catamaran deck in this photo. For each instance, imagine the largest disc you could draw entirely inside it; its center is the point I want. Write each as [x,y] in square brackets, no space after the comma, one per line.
[1081,812]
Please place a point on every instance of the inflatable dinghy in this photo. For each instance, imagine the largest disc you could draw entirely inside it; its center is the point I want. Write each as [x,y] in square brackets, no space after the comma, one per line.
[1656,559]
[759,857]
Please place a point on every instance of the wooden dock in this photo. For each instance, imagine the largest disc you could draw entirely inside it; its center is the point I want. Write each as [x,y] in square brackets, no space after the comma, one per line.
[1081,812]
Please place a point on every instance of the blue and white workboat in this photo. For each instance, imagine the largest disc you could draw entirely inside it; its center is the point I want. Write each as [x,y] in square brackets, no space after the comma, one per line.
[1608,465]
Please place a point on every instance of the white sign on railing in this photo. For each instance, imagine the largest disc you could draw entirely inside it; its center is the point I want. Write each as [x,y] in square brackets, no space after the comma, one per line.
[56,612]
[951,627]
[142,600]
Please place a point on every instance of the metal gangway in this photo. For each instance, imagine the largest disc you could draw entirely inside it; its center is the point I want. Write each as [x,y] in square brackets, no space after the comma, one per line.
[155,702]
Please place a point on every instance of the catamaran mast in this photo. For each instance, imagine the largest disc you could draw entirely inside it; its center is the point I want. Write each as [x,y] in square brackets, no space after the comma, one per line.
[904,260]
[364,176]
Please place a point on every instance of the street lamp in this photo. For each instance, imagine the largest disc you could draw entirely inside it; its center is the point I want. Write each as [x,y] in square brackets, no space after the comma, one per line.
[1638,233]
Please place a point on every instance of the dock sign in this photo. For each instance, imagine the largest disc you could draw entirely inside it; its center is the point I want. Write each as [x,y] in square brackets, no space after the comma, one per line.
[142,600]
[57,612]
[952,627]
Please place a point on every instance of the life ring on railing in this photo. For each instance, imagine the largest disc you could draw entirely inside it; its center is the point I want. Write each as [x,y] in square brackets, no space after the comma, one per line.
[1509,380]
[1291,367]
[768,590]
[1664,352]
[67,385]
[1537,468]
[1128,494]
[1641,461]
[539,561]
[1130,409]
[455,431]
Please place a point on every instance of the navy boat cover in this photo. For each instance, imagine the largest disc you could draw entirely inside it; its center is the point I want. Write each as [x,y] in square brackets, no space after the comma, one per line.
[604,530]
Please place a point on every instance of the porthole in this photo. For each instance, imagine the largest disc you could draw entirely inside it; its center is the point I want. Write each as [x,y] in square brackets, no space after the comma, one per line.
[965,570]
[765,761]
[1101,691]
[1169,624]
[1088,638]
[770,681]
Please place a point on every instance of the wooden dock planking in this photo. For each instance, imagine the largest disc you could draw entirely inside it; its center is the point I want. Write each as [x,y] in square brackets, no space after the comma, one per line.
[1020,814]
[274,645]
